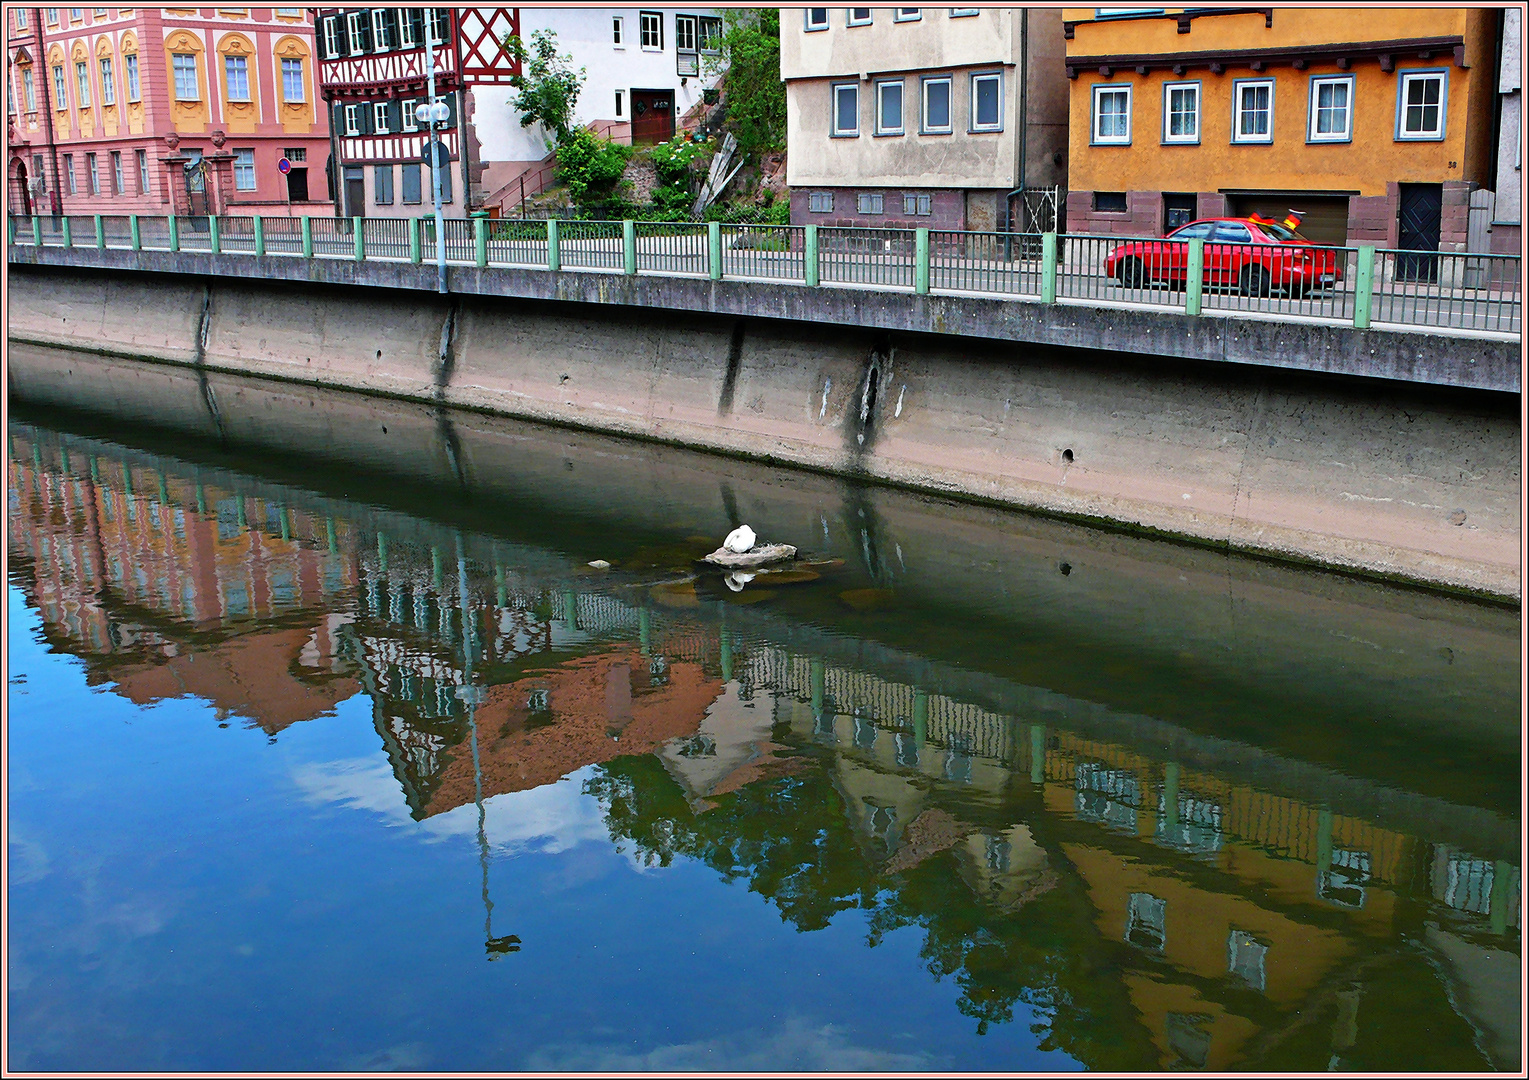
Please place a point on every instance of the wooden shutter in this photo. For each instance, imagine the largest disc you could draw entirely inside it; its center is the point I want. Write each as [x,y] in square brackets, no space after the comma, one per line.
[391,21]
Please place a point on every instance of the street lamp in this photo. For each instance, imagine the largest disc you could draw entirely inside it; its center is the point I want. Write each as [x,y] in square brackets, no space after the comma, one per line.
[436,112]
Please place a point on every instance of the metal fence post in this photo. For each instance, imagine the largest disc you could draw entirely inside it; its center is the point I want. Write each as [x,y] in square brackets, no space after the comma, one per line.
[1194,277]
[1048,268]
[554,253]
[10,228]
[68,233]
[1364,287]
[921,261]
[37,230]
[259,235]
[175,231]
[629,246]
[214,237]
[415,248]
[810,256]
[360,238]
[307,237]
[132,224]
[100,235]
[480,241]
[714,250]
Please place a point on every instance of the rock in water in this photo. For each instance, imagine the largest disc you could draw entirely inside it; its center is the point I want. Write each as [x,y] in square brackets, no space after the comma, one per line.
[739,540]
[762,555]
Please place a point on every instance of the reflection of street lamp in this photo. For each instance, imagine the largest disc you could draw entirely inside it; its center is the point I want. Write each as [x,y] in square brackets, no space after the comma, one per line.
[471,696]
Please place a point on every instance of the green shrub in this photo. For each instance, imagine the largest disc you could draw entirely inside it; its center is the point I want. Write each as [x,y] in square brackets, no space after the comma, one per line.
[590,167]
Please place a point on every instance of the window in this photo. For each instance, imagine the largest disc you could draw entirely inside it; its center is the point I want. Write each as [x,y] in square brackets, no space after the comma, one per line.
[292,79]
[244,170]
[936,106]
[889,108]
[39,172]
[407,37]
[82,83]
[186,88]
[332,36]
[236,73]
[1421,101]
[437,22]
[617,38]
[53,16]
[411,184]
[1109,202]
[711,33]
[1112,115]
[381,38]
[620,101]
[130,62]
[295,154]
[1253,111]
[684,33]
[817,18]
[915,204]
[380,117]
[76,14]
[820,202]
[382,185]
[906,14]
[1146,921]
[1245,958]
[289,13]
[28,91]
[91,175]
[1331,112]
[118,182]
[1181,112]
[60,99]
[869,202]
[352,119]
[987,91]
[651,30]
[143,172]
[964,12]
[859,16]
[21,18]
[406,113]
[355,24]
[846,118]
[1231,232]
[69,173]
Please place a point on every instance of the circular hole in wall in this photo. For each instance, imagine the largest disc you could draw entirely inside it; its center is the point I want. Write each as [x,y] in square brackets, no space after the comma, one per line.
[1067,457]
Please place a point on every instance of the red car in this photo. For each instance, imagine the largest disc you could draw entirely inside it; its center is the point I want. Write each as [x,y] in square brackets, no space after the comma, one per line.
[1253,256]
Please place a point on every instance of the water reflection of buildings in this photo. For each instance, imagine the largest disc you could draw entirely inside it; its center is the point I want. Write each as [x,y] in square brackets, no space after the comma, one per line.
[1233,909]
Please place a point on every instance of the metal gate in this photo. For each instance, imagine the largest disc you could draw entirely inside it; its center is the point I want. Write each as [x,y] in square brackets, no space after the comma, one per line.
[1418,219]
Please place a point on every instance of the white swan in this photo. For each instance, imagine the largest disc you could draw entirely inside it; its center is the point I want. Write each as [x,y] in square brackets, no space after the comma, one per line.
[740,540]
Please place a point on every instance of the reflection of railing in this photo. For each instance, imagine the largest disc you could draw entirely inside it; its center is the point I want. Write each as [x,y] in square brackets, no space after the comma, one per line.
[1360,287]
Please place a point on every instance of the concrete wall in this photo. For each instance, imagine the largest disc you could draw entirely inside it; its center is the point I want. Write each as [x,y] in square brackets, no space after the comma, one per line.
[1408,482]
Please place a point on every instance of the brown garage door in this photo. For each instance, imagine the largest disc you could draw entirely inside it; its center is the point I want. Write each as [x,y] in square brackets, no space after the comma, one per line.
[1326,220]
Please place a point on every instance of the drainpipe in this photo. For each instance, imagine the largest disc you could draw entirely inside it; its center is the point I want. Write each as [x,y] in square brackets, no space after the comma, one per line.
[55,196]
[1023,120]
[336,170]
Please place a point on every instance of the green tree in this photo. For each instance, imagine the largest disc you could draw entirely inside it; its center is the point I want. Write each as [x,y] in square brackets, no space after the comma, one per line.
[589,166]
[750,64]
[547,88]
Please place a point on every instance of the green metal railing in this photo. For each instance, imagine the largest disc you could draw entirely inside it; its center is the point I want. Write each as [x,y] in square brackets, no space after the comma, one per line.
[1356,286]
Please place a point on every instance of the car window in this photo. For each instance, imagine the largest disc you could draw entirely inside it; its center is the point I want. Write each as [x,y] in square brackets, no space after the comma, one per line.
[1279,232]
[1198,231]
[1232,232]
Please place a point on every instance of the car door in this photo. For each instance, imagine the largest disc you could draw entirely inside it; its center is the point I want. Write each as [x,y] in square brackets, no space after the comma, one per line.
[1176,254]
[1227,252]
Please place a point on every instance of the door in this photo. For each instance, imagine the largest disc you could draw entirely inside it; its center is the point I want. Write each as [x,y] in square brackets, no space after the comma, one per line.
[355,191]
[652,116]
[1418,220]
[1226,253]
[297,185]
[25,189]
[1324,218]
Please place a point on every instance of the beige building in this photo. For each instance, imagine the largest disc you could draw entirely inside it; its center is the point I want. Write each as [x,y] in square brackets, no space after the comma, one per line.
[938,117]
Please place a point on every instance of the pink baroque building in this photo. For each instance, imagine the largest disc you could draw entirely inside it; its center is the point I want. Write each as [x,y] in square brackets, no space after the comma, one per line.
[160,110]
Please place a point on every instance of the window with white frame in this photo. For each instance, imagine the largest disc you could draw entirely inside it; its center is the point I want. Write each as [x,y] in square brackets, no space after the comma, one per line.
[52,16]
[355,25]
[820,202]
[618,35]
[60,99]
[292,79]
[82,84]
[236,72]
[936,103]
[869,202]
[711,33]
[380,117]
[1112,115]
[1181,112]
[352,119]
[130,63]
[817,18]
[406,115]
[916,204]
[187,86]
[108,84]
[964,12]
[987,93]
[436,24]
[28,90]
[118,181]
[620,103]
[859,16]
[91,175]
[244,170]
[21,18]
[650,29]
[889,107]
[289,13]
[685,33]
[143,172]
[1332,109]
[906,14]
[381,38]
[846,102]
[1421,105]
[331,36]
[406,37]
[76,14]
[1253,111]
[69,173]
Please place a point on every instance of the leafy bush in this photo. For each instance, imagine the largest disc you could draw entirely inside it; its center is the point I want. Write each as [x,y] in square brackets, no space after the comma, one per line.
[676,161]
[589,166]
[777,212]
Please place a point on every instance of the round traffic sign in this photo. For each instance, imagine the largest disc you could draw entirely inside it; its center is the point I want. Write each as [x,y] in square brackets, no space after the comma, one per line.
[283,166]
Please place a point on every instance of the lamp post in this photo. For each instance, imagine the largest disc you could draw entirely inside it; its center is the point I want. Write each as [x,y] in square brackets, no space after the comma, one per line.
[436,112]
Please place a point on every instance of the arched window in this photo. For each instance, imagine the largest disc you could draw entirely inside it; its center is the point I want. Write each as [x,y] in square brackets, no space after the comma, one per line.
[131,86]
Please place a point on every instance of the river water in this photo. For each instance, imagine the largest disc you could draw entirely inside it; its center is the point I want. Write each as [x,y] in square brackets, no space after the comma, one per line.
[330,750]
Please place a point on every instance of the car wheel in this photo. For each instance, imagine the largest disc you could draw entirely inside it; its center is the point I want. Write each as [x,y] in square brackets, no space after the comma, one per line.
[1132,274]
[1255,281]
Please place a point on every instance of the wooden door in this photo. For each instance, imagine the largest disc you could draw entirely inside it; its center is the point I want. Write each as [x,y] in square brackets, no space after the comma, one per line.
[1419,220]
[652,116]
